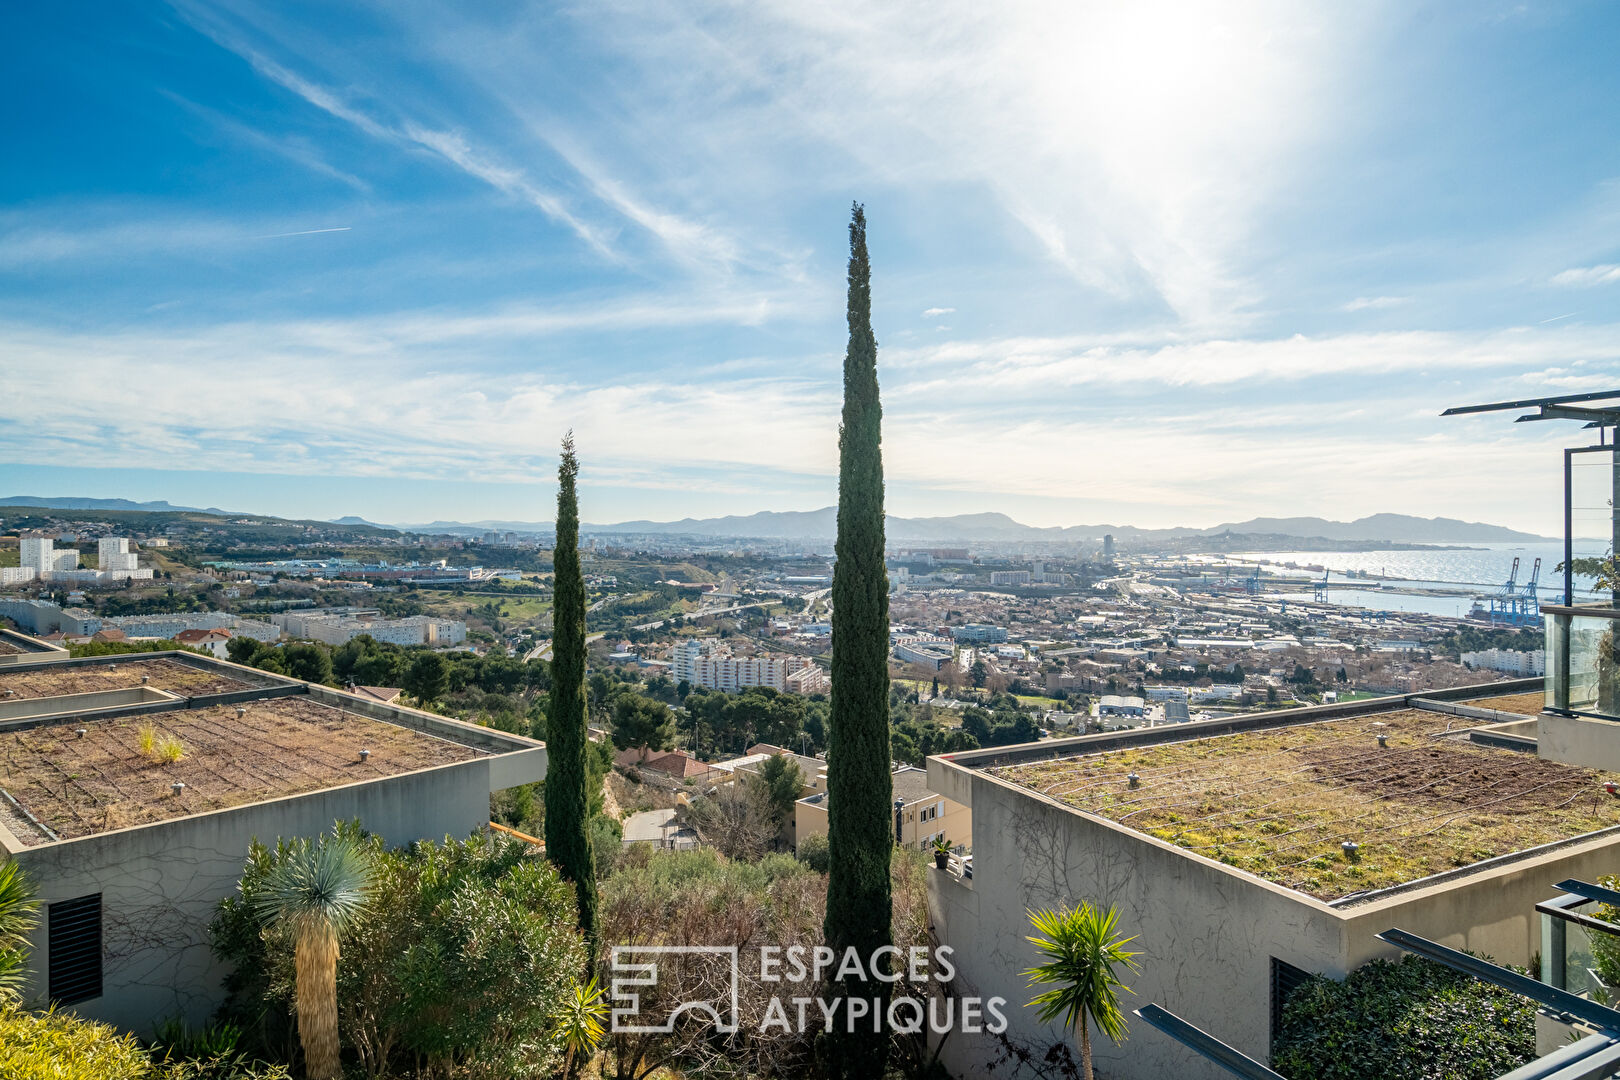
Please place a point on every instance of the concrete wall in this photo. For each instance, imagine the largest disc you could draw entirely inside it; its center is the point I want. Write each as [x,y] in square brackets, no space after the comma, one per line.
[15,712]
[33,650]
[1579,740]
[161,883]
[1207,933]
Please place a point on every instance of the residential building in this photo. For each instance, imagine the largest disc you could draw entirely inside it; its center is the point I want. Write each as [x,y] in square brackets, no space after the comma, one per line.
[921,815]
[339,629]
[660,829]
[1507,660]
[980,632]
[214,641]
[113,553]
[1009,577]
[713,667]
[931,652]
[127,891]
[1111,818]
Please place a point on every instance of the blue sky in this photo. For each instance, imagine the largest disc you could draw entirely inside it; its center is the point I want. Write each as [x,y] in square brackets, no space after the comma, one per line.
[1154,263]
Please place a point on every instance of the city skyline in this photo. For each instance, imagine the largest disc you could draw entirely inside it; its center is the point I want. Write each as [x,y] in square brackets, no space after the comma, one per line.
[1127,267]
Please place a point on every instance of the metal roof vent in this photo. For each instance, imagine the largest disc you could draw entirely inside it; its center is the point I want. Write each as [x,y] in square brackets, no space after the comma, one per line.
[1134,780]
[241,710]
[1383,739]
[1350,847]
[145,679]
[177,787]
[81,732]
[365,754]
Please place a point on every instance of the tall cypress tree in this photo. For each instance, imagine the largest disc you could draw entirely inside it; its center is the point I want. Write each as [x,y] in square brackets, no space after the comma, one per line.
[568,844]
[860,818]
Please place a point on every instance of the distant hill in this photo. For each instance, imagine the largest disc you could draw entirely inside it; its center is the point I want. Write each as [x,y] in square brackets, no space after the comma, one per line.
[963,528]
[158,507]
[1399,528]
[956,529]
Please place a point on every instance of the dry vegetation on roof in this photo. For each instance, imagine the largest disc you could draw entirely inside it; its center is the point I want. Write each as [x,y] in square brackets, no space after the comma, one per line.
[114,777]
[1279,803]
[1528,704]
[54,680]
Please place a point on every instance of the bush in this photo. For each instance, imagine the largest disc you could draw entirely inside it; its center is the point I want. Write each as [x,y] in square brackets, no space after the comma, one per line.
[465,950]
[60,1046]
[57,1046]
[814,852]
[1403,1020]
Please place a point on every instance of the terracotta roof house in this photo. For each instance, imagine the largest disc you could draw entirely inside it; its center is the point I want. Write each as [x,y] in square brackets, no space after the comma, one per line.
[385,694]
[111,633]
[212,640]
[676,763]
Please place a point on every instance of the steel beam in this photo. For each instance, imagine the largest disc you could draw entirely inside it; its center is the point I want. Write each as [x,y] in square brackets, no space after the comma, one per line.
[1205,1045]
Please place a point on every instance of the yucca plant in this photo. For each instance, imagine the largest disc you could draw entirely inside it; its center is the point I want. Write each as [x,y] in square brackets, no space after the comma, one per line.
[19,913]
[1083,952]
[579,1022]
[315,894]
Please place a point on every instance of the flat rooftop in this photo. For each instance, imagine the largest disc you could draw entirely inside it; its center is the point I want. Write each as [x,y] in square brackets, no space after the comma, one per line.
[279,746]
[57,680]
[1279,802]
[1528,704]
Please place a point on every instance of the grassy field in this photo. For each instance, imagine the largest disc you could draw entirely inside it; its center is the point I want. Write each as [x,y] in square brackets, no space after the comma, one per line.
[1281,803]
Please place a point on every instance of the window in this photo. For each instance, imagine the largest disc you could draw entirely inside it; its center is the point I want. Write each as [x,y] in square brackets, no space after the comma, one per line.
[73,940]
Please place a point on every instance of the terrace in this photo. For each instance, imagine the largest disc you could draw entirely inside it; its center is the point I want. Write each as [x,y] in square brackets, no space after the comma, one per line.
[1338,807]
[59,784]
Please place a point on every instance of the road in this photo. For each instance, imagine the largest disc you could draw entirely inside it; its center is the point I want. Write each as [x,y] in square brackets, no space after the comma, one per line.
[542,651]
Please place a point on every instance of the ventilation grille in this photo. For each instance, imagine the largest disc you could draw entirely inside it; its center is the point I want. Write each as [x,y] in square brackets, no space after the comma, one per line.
[74,929]
[1285,979]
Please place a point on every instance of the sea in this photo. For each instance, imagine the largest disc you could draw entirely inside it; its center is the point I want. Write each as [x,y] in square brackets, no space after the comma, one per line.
[1461,573]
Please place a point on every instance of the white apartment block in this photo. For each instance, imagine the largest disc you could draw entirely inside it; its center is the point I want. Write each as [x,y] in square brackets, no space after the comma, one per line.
[719,670]
[341,629]
[1513,663]
[39,554]
[42,562]
[112,553]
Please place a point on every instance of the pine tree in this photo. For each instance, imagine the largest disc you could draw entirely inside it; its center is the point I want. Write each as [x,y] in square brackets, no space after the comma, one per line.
[568,842]
[860,819]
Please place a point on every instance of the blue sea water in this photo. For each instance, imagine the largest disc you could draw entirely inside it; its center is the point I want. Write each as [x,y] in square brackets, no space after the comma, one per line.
[1468,572]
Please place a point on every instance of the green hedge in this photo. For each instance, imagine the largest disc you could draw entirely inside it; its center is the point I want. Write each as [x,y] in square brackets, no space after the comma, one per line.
[1410,1019]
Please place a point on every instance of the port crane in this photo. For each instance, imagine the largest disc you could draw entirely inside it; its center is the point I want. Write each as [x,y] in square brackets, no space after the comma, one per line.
[1514,604]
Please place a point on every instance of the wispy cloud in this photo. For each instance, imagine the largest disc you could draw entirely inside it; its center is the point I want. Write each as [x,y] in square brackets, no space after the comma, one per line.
[1363,303]
[936,312]
[306,232]
[1587,276]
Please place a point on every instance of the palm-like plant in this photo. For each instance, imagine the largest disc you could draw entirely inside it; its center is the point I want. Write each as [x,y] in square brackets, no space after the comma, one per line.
[19,912]
[1083,952]
[315,894]
[579,1022]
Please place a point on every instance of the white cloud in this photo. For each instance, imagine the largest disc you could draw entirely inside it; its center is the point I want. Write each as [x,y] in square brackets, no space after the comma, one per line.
[389,398]
[1587,276]
[1363,303]
[936,312]
[1136,145]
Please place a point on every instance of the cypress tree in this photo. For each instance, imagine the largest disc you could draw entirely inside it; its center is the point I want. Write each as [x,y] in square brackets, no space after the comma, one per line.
[568,843]
[860,817]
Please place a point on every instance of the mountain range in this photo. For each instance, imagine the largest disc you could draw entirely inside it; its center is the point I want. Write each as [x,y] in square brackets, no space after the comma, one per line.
[959,528]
